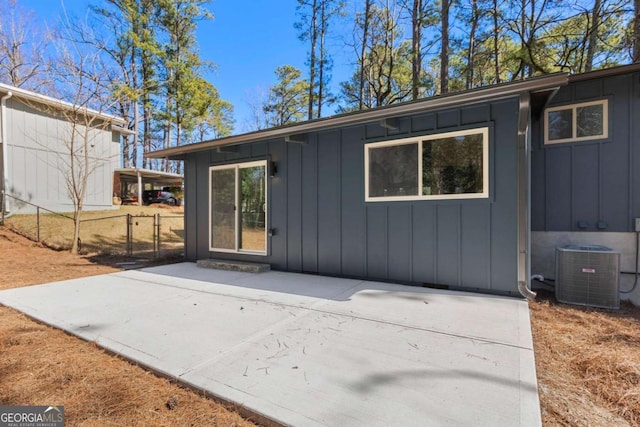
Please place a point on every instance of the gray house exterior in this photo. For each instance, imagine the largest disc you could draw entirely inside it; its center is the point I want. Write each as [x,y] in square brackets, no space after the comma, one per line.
[560,167]
[322,216]
[586,190]
[35,157]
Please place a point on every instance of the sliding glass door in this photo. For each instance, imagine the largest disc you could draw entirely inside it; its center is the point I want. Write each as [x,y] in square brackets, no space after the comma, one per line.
[238,208]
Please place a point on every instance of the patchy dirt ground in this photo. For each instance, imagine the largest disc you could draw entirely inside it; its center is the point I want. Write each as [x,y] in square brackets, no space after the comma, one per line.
[588,360]
[42,365]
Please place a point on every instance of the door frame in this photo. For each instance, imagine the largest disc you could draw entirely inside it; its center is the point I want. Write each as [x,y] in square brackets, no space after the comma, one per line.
[238,211]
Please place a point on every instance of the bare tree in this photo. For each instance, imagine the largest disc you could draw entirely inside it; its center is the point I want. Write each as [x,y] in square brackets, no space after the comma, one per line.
[366,20]
[416,50]
[495,12]
[593,35]
[444,48]
[255,99]
[636,31]
[80,79]
[22,47]
[471,50]
[315,17]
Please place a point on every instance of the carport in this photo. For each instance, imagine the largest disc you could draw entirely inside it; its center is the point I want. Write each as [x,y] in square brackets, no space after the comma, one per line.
[126,178]
[298,349]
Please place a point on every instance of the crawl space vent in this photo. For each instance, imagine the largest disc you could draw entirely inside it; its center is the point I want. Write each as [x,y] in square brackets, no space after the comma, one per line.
[588,275]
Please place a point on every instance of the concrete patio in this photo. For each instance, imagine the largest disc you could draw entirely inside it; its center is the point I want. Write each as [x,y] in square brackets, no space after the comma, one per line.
[308,350]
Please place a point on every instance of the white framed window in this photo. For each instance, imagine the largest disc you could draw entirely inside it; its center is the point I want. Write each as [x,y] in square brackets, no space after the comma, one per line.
[451,165]
[577,122]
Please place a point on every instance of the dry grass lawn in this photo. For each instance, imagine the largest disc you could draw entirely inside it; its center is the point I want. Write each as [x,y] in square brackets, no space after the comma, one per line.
[40,365]
[106,231]
[587,360]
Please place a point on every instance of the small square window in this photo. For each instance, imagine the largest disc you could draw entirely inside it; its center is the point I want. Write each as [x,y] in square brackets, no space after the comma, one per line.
[589,121]
[576,122]
[560,124]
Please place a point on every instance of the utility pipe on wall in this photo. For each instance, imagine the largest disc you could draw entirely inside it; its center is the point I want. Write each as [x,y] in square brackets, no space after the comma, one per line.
[5,152]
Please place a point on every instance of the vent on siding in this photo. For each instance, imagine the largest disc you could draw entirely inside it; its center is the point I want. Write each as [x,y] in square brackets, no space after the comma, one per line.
[588,275]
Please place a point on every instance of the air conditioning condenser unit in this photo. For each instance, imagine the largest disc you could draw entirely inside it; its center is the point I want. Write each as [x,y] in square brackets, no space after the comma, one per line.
[588,275]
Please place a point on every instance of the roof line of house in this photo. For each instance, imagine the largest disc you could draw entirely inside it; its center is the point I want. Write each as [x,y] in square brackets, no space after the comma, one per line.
[60,104]
[621,69]
[290,131]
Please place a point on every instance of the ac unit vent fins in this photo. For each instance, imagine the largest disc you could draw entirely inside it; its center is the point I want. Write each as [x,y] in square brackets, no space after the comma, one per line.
[588,275]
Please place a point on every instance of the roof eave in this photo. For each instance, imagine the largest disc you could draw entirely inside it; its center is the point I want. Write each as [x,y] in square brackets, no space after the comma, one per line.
[57,103]
[606,72]
[438,102]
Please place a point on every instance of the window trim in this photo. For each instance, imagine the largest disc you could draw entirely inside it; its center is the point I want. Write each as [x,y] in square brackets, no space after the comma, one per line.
[574,122]
[419,140]
[236,167]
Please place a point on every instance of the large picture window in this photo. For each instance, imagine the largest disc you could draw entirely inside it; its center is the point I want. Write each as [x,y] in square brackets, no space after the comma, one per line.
[576,122]
[452,165]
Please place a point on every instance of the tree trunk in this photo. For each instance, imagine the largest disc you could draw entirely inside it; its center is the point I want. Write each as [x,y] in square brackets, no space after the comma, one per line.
[496,39]
[146,71]
[134,85]
[75,247]
[530,38]
[126,152]
[416,38]
[444,49]
[363,52]
[636,31]
[472,44]
[321,63]
[593,36]
[312,55]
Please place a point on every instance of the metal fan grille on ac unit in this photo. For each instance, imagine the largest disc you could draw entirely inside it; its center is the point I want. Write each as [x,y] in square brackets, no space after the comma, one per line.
[588,275]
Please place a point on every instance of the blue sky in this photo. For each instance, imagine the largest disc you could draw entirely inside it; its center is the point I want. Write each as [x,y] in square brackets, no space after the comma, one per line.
[247,40]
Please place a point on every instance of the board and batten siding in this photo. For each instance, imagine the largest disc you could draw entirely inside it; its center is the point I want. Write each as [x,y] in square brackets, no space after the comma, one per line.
[323,225]
[38,161]
[577,184]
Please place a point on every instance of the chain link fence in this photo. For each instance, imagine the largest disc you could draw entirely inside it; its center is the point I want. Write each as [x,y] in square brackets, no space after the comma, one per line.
[142,235]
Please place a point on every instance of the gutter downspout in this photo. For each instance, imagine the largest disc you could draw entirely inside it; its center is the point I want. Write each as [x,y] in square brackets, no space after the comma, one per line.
[5,154]
[524,197]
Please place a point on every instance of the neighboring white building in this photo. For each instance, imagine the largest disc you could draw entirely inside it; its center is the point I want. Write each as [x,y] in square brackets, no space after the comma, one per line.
[35,154]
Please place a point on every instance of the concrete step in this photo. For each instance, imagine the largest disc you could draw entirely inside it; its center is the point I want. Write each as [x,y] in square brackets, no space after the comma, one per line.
[223,264]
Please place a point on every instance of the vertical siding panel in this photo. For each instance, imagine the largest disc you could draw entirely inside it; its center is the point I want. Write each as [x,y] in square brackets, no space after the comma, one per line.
[353,244]
[475,245]
[310,205]
[634,153]
[201,205]
[504,218]
[448,249]
[423,243]
[278,209]
[585,185]
[614,202]
[558,189]
[329,203]
[29,177]
[399,242]
[538,174]
[377,244]
[294,205]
